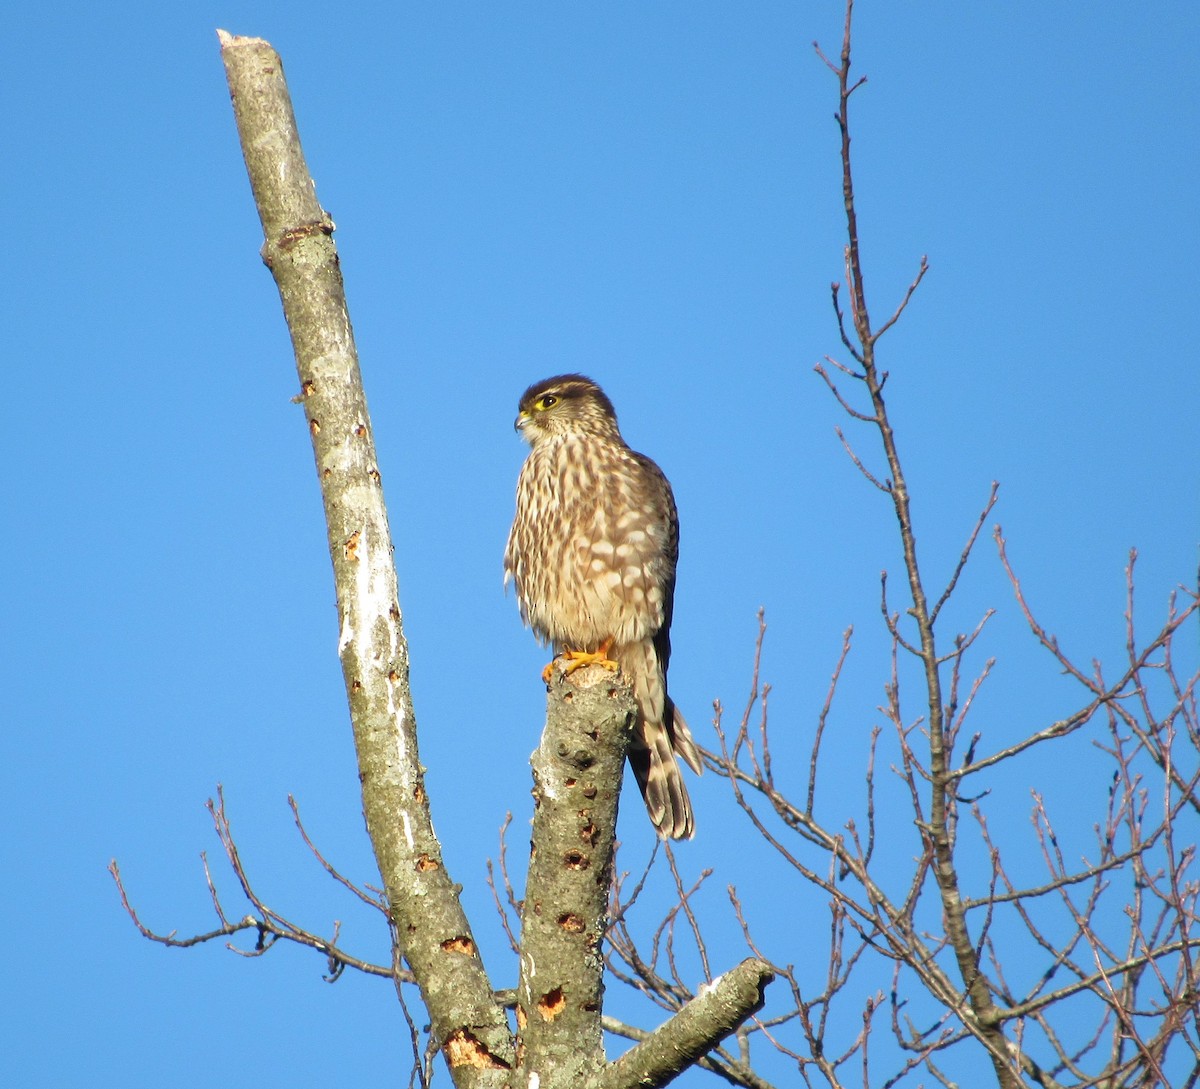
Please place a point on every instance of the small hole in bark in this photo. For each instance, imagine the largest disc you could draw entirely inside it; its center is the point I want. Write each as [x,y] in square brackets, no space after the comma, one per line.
[461,944]
[551,1004]
[576,860]
[463,1048]
[571,923]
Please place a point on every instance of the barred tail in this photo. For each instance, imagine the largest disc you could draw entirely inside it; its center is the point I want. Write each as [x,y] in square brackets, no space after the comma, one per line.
[660,737]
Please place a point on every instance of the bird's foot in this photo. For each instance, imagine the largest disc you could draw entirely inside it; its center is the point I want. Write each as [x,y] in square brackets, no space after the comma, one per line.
[572,660]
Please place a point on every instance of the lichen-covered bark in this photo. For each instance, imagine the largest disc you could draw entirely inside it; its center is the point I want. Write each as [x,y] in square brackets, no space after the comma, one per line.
[431,928]
[577,772]
[703,1023]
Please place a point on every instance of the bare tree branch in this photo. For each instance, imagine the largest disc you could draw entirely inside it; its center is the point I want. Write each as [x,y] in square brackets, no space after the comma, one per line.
[577,780]
[713,1014]
[269,926]
[433,931]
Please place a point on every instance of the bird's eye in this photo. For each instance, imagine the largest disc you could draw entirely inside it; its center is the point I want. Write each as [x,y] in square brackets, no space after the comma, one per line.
[548,401]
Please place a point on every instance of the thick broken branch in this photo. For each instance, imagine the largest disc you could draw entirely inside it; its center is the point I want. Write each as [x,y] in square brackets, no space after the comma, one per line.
[697,1028]
[430,925]
[577,781]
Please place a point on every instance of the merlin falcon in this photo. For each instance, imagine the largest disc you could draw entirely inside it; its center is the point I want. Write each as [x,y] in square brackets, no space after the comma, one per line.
[592,555]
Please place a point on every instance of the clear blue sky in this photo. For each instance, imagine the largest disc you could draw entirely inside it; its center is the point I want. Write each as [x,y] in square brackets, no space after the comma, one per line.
[645,193]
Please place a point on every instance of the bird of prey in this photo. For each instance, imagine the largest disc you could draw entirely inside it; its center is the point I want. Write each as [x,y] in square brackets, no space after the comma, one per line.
[592,555]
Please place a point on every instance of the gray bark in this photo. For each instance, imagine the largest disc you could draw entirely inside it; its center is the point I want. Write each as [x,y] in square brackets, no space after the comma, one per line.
[431,928]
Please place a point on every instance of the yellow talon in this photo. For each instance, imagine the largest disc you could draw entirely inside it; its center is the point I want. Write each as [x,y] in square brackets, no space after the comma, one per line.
[576,659]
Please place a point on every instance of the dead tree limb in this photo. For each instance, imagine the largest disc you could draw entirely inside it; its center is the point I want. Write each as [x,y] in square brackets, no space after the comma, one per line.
[577,772]
[430,926]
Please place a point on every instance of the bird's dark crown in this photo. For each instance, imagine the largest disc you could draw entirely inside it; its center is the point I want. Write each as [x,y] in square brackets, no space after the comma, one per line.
[567,387]
[568,404]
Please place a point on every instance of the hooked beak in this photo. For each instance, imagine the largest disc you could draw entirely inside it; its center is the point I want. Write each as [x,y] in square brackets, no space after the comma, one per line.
[521,422]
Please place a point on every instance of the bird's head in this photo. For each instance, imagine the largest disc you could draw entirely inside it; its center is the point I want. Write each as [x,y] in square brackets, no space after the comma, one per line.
[565,405]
